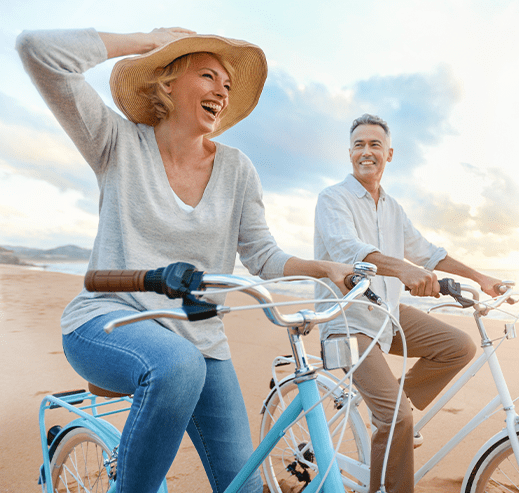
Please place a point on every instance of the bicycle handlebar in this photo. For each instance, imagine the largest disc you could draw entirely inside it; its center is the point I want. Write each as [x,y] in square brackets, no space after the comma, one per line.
[449,287]
[179,280]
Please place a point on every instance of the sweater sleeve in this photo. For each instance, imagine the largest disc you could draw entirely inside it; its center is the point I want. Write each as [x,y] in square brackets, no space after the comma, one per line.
[56,60]
[257,247]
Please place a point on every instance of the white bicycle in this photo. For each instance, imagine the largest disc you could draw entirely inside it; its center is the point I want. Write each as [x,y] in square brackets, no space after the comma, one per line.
[290,466]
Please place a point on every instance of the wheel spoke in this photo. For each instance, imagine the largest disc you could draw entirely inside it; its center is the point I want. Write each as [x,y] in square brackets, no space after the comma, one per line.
[291,464]
[78,464]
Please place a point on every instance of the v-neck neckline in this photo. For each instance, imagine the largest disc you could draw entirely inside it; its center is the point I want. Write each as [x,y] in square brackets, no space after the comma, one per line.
[208,188]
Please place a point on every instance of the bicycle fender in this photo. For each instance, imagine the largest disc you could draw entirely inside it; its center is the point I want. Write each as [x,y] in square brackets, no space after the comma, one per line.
[105,430]
[479,455]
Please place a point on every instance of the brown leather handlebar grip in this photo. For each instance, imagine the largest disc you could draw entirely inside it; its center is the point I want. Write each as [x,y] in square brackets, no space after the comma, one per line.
[112,281]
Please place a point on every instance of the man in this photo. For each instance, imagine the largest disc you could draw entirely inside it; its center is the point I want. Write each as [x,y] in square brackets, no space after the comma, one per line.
[357,221]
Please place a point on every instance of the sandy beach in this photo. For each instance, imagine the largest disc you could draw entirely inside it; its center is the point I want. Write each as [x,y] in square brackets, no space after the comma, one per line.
[31,303]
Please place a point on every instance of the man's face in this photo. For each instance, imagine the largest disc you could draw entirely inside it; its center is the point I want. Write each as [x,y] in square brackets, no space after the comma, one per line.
[369,153]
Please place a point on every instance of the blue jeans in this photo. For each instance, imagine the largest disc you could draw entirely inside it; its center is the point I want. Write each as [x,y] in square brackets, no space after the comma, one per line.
[175,389]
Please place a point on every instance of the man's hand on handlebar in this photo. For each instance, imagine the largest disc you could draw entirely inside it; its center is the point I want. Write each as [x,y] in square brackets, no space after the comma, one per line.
[490,285]
[420,282]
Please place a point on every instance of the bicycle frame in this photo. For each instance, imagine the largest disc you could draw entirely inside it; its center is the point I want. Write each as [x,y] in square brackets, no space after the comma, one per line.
[306,399]
[357,469]
[503,399]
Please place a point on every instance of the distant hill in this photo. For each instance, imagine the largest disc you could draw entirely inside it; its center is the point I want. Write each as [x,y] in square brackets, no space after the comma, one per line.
[68,253]
[8,257]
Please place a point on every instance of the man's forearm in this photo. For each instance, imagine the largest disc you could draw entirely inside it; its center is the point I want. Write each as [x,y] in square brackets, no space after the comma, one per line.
[387,266]
[419,281]
[453,266]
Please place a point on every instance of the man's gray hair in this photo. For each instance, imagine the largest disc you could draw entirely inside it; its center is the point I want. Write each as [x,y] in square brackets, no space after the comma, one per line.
[367,119]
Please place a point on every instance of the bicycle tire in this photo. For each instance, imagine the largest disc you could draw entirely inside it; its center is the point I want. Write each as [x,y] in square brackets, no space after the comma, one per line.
[496,471]
[286,469]
[77,465]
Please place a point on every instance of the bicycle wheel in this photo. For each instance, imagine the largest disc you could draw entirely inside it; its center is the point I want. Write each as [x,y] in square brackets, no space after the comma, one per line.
[77,465]
[291,465]
[496,471]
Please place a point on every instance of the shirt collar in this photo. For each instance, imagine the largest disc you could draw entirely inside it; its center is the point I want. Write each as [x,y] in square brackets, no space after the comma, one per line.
[353,185]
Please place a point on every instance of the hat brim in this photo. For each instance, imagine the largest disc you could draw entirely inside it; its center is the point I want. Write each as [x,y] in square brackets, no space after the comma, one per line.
[130,76]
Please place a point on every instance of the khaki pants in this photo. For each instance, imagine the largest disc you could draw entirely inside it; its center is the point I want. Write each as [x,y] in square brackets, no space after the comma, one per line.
[443,351]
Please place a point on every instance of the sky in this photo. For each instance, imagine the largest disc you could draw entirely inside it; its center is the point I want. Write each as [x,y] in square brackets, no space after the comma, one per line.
[443,73]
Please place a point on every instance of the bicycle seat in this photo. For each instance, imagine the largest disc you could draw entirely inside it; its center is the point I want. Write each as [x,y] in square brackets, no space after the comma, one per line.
[94,389]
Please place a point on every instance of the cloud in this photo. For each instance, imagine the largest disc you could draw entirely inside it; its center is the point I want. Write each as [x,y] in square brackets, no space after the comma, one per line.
[298,136]
[34,146]
[290,217]
[498,212]
[14,113]
[417,108]
[437,211]
[491,228]
[38,213]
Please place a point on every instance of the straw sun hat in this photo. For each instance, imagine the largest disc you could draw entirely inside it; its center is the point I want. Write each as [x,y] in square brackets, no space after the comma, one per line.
[131,74]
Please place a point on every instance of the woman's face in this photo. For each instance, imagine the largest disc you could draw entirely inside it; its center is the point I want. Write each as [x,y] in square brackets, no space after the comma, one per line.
[201,94]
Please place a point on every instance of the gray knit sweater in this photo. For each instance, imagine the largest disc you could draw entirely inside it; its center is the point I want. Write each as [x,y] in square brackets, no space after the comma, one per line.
[141,226]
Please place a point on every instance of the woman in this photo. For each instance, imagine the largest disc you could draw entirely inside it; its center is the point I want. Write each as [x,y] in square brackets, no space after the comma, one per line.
[167,193]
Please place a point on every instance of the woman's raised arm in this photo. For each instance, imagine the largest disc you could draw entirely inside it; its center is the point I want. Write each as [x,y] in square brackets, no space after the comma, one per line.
[138,43]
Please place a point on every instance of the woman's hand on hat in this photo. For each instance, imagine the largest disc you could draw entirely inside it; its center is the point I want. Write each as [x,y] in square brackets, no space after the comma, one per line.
[139,43]
[164,35]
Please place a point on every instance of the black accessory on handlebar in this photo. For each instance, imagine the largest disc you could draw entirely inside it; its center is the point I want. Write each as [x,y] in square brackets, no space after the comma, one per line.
[178,280]
[353,280]
[448,287]
[175,281]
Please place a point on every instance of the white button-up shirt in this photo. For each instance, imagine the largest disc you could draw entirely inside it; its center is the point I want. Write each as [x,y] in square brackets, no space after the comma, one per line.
[348,227]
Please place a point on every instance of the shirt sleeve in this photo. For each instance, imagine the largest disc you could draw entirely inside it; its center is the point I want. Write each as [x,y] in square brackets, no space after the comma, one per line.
[257,248]
[56,60]
[419,250]
[335,227]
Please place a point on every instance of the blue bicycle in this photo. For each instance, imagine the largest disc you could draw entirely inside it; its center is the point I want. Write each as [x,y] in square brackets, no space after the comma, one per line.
[81,456]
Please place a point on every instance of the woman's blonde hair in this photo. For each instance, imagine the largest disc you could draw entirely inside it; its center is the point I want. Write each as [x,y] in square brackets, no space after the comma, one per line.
[161,103]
